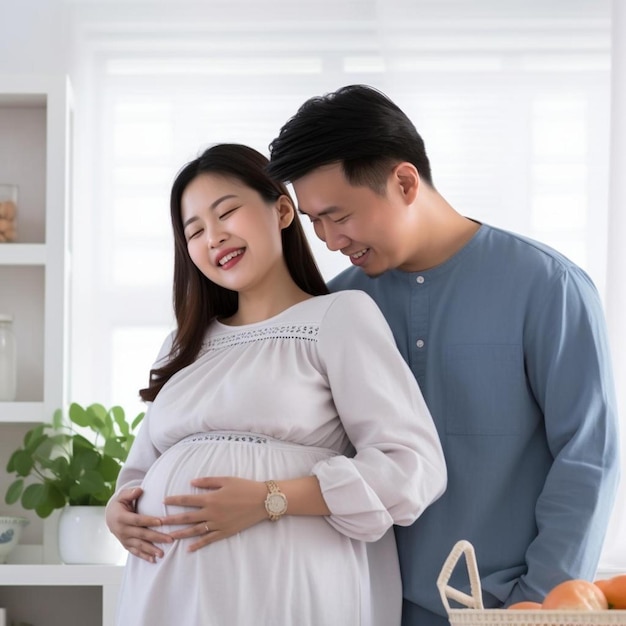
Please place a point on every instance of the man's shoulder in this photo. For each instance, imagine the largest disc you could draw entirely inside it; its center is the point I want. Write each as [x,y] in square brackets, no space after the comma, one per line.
[506,241]
[529,254]
[350,278]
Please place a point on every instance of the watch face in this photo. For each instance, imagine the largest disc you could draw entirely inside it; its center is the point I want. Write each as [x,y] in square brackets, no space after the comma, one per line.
[276,503]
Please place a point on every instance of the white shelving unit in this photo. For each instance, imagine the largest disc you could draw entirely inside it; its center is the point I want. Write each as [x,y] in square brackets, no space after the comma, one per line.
[36,118]
[57,595]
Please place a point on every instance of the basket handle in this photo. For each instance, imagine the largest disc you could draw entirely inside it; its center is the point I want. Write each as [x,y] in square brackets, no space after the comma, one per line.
[475,601]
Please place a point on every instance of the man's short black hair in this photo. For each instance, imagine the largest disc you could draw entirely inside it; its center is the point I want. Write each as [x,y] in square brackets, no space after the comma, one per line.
[357,126]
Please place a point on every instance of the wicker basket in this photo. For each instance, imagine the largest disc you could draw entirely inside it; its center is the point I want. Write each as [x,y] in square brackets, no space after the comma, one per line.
[476,615]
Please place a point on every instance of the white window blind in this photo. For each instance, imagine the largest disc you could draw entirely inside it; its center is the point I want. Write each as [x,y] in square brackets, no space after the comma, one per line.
[514,112]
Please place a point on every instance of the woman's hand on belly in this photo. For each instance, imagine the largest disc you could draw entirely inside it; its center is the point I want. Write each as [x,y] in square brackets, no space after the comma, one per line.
[133,530]
[224,507]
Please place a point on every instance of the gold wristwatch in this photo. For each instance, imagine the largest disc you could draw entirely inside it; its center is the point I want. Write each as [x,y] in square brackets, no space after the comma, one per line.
[276,501]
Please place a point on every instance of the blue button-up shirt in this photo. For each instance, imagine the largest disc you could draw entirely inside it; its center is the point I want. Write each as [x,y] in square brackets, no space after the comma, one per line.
[507,340]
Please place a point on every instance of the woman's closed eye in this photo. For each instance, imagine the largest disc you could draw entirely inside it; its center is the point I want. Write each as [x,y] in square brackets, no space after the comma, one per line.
[228,213]
[194,233]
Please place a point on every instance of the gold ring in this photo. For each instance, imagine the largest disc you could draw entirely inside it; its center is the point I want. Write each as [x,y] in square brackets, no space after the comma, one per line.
[206,525]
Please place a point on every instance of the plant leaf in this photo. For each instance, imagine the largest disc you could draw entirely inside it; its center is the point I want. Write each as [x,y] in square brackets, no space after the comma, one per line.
[56,496]
[57,420]
[14,491]
[35,441]
[109,426]
[98,410]
[81,443]
[79,415]
[54,499]
[44,510]
[22,462]
[83,460]
[120,419]
[115,448]
[100,420]
[91,482]
[137,420]
[60,466]
[33,434]
[11,464]
[50,447]
[34,496]
[109,468]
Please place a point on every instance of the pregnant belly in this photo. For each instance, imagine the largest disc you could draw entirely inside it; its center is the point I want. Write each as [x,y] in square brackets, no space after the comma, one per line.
[324,575]
[222,454]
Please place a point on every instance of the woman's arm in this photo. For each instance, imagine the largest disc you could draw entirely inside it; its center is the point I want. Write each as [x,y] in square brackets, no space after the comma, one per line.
[229,505]
[399,468]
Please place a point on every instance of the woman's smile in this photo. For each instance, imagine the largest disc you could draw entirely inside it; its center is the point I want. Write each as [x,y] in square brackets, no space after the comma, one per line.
[229,258]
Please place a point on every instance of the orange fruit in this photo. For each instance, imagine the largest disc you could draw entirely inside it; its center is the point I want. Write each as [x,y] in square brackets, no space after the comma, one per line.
[576,595]
[525,605]
[615,590]
[602,584]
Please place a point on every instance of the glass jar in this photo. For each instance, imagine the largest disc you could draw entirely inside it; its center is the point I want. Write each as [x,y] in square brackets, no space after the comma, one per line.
[8,359]
[8,213]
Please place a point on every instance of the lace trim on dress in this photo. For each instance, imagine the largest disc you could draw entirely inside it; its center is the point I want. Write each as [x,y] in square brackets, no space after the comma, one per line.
[305,332]
[240,437]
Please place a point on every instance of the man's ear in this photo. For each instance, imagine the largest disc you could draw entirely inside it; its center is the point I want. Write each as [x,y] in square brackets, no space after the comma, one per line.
[286,211]
[407,180]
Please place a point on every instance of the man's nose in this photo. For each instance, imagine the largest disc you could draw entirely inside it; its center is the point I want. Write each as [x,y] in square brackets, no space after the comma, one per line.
[334,239]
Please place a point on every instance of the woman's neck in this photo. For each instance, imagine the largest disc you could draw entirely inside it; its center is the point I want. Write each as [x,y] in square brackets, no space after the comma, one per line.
[257,307]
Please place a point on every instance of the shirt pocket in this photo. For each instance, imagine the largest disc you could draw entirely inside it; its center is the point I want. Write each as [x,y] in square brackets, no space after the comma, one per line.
[485,390]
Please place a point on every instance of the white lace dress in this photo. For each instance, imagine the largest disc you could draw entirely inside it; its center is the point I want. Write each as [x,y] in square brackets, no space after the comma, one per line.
[318,389]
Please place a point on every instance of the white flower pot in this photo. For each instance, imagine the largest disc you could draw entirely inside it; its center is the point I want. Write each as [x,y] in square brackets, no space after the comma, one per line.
[85,538]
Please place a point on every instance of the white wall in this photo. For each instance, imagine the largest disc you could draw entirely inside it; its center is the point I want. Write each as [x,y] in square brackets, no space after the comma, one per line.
[34,36]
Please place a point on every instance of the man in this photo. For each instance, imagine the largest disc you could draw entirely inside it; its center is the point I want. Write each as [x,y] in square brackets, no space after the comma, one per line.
[505,336]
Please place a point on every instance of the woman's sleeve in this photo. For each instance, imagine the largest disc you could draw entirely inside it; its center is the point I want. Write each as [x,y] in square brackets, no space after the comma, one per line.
[140,458]
[399,468]
[142,453]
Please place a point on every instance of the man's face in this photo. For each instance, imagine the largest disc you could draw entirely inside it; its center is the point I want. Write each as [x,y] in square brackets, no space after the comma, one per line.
[368,227]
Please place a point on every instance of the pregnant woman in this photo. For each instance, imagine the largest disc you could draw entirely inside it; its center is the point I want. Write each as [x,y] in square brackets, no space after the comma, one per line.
[285,435]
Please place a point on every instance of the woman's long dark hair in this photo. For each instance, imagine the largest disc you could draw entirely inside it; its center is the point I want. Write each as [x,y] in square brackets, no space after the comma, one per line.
[197,300]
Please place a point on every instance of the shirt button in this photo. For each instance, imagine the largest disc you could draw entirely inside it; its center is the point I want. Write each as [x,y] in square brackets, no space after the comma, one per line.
[420,280]
[419,343]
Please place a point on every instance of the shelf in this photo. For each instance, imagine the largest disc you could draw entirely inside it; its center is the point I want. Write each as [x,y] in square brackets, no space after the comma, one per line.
[23,412]
[22,254]
[20,99]
[46,575]
[36,121]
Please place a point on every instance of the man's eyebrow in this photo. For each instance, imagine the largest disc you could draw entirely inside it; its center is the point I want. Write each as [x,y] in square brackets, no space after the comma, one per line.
[213,206]
[329,211]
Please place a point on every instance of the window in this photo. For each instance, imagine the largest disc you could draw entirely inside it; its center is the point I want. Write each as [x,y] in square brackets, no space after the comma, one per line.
[512,100]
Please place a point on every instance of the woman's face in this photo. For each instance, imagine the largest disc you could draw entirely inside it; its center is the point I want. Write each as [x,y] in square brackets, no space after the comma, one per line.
[233,235]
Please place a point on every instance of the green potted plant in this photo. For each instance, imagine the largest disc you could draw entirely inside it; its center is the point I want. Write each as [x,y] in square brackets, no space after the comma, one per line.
[72,463]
